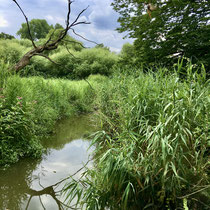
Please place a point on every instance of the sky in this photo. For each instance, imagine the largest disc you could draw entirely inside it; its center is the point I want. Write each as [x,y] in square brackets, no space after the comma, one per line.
[100,13]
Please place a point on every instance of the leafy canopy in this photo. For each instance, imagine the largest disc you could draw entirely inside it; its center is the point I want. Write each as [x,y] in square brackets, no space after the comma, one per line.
[6,36]
[39,29]
[176,28]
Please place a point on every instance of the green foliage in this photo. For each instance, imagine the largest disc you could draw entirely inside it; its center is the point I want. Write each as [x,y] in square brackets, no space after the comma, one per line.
[29,108]
[73,61]
[6,36]
[177,28]
[24,42]
[127,55]
[39,28]
[79,65]
[11,51]
[4,74]
[17,137]
[154,150]
[94,61]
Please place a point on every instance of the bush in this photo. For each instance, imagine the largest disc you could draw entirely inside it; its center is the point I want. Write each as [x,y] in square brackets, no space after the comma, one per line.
[94,61]
[17,132]
[11,51]
[77,64]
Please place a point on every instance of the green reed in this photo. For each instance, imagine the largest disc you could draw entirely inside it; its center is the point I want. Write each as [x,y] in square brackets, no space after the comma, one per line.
[153,153]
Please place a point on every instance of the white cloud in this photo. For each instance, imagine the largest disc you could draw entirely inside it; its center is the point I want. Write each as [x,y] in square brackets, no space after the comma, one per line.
[49,17]
[3,22]
[101,15]
[3,2]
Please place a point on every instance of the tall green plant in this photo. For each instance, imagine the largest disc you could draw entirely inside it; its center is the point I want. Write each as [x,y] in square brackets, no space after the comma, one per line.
[154,152]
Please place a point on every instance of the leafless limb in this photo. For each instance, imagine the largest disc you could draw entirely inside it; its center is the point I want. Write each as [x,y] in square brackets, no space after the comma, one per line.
[50,38]
[75,21]
[83,37]
[29,31]
[69,51]
[50,190]
[29,201]
[73,174]
[75,42]
[41,202]
[48,58]
[49,44]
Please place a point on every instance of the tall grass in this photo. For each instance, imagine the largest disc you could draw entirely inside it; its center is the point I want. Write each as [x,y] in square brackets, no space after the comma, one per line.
[153,153]
[29,108]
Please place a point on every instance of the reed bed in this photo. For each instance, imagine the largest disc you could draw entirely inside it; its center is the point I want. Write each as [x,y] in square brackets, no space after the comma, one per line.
[153,152]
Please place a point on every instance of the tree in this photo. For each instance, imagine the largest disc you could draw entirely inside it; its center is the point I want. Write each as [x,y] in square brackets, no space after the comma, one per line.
[58,26]
[69,42]
[175,29]
[39,29]
[6,36]
[127,54]
[50,43]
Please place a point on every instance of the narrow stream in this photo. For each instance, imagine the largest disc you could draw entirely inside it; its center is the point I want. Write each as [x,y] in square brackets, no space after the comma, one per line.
[66,152]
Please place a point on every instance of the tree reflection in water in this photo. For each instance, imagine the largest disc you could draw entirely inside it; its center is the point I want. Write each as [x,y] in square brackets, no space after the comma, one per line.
[51,190]
[16,191]
[20,189]
[14,183]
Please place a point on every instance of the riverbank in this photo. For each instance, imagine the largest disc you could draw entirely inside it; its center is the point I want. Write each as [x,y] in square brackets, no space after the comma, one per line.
[30,107]
[153,152]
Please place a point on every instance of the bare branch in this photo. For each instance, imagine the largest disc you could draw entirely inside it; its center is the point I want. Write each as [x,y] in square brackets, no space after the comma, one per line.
[50,38]
[51,44]
[41,202]
[26,23]
[70,52]
[82,22]
[48,58]
[71,41]
[68,14]
[28,202]
[83,37]
[78,16]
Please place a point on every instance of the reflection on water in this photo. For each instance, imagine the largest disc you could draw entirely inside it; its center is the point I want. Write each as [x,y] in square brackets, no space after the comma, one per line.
[66,152]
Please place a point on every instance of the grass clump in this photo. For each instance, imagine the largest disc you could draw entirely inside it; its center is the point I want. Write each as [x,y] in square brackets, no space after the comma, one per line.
[153,153]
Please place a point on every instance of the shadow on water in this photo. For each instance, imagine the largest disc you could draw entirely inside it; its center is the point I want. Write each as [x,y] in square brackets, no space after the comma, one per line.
[34,184]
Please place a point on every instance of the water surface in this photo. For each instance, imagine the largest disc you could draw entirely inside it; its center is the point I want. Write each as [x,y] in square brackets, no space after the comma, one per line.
[66,152]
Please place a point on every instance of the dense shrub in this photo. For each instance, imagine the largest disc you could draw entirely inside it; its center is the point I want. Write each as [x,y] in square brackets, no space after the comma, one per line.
[72,63]
[17,131]
[79,65]
[127,56]
[11,51]
[94,61]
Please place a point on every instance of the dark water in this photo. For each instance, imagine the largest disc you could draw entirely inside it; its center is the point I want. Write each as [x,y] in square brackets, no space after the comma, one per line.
[24,185]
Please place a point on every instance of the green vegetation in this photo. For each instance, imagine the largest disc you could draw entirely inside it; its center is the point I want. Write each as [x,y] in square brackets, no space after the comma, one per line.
[153,152]
[39,28]
[29,108]
[175,29]
[152,99]
[78,65]
[6,36]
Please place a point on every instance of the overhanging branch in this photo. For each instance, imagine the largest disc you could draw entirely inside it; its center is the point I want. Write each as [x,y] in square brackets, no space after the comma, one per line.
[29,31]
[51,44]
